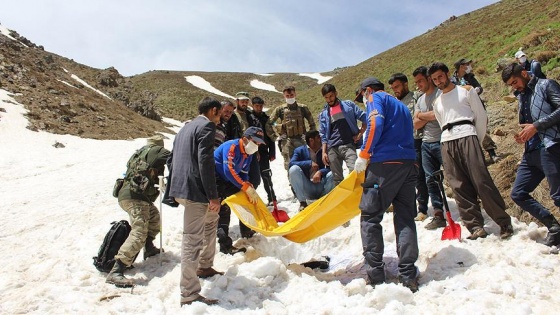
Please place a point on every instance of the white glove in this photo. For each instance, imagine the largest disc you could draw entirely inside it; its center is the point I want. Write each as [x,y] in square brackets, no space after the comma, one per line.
[361,164]
[252,195]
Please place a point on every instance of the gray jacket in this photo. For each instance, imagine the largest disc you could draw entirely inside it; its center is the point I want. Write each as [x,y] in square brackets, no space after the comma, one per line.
[544,97]
[193,175]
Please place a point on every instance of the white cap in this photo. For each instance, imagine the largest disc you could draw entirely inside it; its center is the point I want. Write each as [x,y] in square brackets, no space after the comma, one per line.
[519,54]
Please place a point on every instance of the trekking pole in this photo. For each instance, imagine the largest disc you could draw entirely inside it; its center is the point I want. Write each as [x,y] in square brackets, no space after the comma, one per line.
[161,192]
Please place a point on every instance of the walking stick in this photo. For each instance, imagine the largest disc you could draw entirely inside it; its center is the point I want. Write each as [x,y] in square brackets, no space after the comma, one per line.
[161,192]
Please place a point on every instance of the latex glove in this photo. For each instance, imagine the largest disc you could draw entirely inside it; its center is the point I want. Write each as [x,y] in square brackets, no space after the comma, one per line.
[361,164]
[252,195]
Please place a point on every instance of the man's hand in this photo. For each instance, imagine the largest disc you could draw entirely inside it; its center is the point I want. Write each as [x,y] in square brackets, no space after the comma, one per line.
[252,195]
[317,177]
[529,130]
[314,167]
[325,158]
[357,137]
[214,205]
[361,164]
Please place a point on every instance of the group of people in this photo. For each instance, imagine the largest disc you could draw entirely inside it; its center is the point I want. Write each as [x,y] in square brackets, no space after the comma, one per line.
[402,140]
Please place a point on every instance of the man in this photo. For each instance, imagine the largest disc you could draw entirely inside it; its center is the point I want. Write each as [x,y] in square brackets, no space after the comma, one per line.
[533,66]
[232,162]
[243,113]
[137,200]
[193,185]
[389,160]
[267,151]
[425,119]
[463,76]
[399,85]
[463,119]
[340,135]
[309,176]
[224,133]
[539,118]
[292,119]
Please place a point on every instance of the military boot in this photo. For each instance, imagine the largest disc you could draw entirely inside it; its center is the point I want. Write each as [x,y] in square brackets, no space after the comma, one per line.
[116,276]
[150,249]
[553,237]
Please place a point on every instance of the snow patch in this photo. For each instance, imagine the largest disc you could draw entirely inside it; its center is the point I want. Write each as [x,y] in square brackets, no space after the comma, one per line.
[317,76]
[201,83]
[75,77]
[263,86]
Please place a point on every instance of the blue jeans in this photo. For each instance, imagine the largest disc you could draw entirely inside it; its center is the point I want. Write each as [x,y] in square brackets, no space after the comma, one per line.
[422,192]
[534,167]
[431,162]
[305,189]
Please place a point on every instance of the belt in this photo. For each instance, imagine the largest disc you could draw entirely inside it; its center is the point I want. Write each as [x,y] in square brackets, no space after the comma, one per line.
[457,123]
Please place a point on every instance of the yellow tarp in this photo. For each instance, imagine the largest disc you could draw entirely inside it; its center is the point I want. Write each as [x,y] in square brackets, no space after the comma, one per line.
[320,217]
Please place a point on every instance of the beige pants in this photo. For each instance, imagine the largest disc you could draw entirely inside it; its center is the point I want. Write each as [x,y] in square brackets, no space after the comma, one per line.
[198,247]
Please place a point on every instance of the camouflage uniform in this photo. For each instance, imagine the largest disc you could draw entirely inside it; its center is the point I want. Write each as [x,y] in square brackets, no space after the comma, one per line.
[291,131]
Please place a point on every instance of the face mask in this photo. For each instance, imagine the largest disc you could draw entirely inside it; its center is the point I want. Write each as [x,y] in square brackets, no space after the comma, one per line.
[522,59]
[364,99]
[251,147]
[469,69]
[290,101]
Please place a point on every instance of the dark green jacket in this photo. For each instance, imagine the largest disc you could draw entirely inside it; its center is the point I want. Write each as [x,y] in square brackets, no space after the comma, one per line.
[156,159]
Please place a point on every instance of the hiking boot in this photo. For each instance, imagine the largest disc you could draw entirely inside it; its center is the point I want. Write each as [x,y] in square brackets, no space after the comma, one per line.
[150,249]
[421,217]
[553,237]
[302,205]
[204,273]
[506,231]
[116,276]
[436,222]
[411,284]
[478,233]
[232,250]
[201,299]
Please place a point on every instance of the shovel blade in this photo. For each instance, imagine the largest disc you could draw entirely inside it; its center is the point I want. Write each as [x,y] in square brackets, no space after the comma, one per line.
[452,231]
[279,215]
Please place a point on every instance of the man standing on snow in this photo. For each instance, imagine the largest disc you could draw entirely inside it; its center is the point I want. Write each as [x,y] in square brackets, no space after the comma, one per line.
[193,185]
[539,118]
[136,197]
[389,159]
[463,119]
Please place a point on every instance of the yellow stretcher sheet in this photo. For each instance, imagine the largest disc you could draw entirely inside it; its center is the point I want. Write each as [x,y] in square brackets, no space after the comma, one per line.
[320,217]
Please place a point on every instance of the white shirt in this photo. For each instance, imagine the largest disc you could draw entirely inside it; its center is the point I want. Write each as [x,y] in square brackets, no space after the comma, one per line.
[461,104]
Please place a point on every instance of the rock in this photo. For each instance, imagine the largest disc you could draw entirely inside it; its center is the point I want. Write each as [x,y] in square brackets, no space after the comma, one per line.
[499,132]
[58,145]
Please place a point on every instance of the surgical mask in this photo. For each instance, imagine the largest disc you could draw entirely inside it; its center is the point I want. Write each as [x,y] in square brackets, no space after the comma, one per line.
[469,69]
[522,59]
[364,99]
[251,147]
[290,101]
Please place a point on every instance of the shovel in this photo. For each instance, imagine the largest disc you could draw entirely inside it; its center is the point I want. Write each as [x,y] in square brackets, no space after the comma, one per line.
[453,230]
[279,215]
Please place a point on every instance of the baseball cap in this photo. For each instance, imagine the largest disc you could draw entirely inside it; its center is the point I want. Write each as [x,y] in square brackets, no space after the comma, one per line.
[520,54]
[371,81]
[359,97]
[242,95]
[255,133]
[462,61]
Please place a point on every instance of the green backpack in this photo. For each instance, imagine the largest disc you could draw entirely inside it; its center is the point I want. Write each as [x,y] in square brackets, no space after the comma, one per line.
[138,170]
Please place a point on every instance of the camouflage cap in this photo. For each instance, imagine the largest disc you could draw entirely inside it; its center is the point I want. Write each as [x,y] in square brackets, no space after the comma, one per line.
[155,140]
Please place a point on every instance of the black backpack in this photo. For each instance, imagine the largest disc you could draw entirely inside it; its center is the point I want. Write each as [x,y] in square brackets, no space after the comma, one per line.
[113,240]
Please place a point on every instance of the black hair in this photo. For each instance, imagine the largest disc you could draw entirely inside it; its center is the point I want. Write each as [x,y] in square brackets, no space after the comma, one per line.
[438,66]
[513,69]
[207,104]
[398,77]
[257,100]
[423,70]
[289,88]
[327,88]
[311,134]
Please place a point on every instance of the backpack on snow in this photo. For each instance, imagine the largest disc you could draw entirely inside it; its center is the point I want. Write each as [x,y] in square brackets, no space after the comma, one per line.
[113,240]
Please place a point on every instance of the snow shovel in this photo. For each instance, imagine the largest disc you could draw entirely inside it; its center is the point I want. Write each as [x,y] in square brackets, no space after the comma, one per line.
[453,230]
[279,215]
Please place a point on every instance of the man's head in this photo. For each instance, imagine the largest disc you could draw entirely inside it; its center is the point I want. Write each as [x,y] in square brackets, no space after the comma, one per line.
[258,104]
[289,94]
[211,108]
[313,140]
[254,134]
[521,57]
[463,66]
[439,73]
[227,110]
[422,79]
[329,93]
[399,85]
[516,76]
[371,85]
[242,99]
[156,139]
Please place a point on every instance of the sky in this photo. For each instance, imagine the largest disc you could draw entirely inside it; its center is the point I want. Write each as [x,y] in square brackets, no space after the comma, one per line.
[57,207]
[136,36]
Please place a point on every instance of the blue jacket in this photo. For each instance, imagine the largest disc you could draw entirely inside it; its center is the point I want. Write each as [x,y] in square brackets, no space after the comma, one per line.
[302,158]
[544,98]
[232,163]
[389,133]
[352,113]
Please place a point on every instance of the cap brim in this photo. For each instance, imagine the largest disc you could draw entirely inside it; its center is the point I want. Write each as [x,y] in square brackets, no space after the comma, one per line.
[359,98]
[257,140]
[242,98]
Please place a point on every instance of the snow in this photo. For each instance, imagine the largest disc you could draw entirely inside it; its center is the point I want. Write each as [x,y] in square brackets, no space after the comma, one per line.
[75,77]
[57,207]
[66,83]
[265,74]
[201,83]
[317,76]
[6,32]
[263,86]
